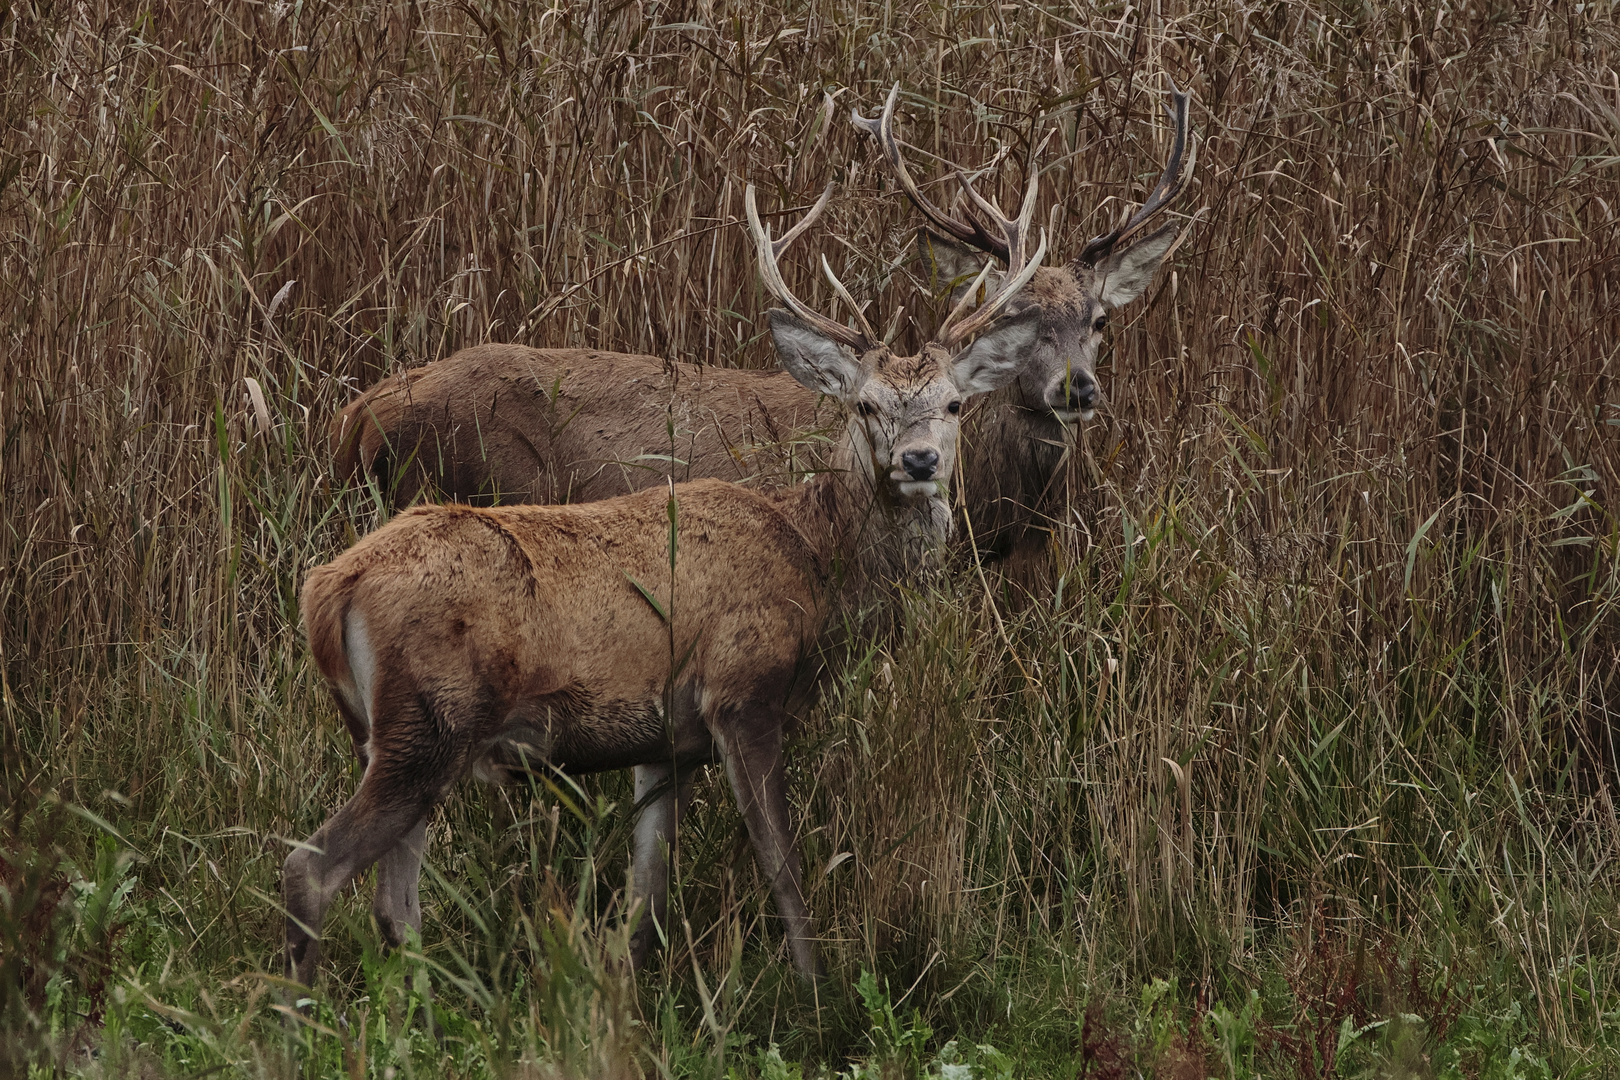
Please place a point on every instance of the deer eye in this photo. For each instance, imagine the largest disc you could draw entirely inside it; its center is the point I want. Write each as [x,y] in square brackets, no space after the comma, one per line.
[865,408]
[954,407]
[1100,324]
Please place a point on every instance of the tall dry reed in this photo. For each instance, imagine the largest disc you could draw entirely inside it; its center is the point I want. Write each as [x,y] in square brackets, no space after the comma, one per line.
[1330,633]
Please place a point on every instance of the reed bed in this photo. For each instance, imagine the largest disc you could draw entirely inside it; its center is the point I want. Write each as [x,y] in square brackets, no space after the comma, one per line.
[1296,756]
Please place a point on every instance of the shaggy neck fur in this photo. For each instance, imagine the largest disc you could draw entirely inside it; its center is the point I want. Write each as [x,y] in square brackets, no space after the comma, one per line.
[860,528]
[1011,466]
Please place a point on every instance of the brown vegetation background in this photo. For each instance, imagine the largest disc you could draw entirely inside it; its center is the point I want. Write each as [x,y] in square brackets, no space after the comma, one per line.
[1348,507]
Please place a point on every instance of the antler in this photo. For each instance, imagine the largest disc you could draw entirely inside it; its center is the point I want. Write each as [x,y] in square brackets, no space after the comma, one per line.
[1011,246]
[861,337]
[956,327]
[975,231]
[1166,192]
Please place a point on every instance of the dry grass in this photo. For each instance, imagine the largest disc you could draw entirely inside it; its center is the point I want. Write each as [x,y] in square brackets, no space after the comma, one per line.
[1343,535]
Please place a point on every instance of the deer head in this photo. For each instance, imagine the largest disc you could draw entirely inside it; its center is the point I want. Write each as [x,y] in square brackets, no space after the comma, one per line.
[904,412]
[1068,303]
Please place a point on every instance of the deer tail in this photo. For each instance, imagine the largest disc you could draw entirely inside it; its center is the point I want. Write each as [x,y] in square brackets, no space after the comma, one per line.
[325,602]
[341,648]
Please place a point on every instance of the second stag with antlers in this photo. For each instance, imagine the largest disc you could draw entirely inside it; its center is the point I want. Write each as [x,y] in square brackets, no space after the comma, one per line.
[658,631]
[514,424]
[1015,441]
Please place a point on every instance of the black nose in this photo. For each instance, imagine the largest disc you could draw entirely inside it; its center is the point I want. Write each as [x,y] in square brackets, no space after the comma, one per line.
[1082,396]
[920,463]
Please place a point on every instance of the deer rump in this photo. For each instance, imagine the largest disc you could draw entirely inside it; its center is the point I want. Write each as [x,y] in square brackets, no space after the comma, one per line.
[510,424]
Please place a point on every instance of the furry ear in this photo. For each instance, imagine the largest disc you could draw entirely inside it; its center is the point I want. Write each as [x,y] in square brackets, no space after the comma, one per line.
[816,361]
[950,266]
[996,356]
[1123,276]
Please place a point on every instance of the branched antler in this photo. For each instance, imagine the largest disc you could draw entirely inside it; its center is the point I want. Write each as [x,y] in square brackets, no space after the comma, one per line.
[989,230]
[861,337]
[986,228]
[1169,188]
[958,325]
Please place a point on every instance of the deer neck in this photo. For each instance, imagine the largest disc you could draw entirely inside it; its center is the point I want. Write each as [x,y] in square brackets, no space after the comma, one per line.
[1012,458]
[861,528]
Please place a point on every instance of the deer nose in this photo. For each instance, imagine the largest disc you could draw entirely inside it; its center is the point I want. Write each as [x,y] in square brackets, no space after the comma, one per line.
[920,464]
[1081,395]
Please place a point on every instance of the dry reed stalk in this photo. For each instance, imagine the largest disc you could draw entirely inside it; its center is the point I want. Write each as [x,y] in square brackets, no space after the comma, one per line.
[1346,524]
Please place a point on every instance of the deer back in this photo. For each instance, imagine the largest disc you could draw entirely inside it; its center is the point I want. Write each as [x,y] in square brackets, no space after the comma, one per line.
[549,426]
[519,425]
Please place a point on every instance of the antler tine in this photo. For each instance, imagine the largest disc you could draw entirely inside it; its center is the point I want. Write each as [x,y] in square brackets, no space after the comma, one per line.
[1169,188]
[861,340]
[804,223]
[1016,230]
[968,232]
[953,331]
[849,301]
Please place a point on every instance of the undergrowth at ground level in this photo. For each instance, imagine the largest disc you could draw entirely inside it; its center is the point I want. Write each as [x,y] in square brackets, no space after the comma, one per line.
[1485,948]
[116,982]
[1294,756]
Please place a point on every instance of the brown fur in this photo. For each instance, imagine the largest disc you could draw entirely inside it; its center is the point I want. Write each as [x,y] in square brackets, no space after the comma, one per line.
[518,425]
[1017,441]
[485,421]
[510,633]
[513,424]
[582,668]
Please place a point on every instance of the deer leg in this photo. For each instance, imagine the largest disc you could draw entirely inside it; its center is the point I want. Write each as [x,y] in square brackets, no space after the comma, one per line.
[751,745]
[368,826]
[398,905]
[662,792]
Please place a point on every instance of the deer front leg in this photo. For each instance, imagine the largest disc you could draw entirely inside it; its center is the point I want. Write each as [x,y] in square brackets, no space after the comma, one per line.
[662,793]
[751,745]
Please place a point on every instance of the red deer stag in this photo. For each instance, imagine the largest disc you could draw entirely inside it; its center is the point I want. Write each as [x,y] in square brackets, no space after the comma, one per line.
[538,425]
[456,637]
[1014,441]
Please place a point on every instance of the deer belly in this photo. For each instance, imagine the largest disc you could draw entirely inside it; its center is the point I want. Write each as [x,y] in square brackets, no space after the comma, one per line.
[580,732]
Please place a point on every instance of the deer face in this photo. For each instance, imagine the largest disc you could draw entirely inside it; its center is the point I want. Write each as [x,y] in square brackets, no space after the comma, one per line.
[1059,380]
[904,411]
[1070,306]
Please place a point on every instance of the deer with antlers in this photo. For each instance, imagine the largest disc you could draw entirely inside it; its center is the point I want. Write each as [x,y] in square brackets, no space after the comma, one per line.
[658,631]
[516,424]
[1015,440]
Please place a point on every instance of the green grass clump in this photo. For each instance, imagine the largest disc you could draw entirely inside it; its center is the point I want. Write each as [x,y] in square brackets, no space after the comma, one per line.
[1295,758]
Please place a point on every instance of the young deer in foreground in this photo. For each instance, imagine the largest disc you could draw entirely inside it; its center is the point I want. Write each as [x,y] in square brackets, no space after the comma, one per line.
[456,637]
[554,425]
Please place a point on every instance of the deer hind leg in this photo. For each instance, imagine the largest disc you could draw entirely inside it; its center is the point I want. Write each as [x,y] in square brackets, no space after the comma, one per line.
[398,904]
[369,826]
[751,746]
[662,792]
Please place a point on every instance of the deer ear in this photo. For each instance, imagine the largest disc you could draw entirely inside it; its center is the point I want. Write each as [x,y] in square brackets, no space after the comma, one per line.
[815,361]
[996,356]
[1124,275]
[950,266]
